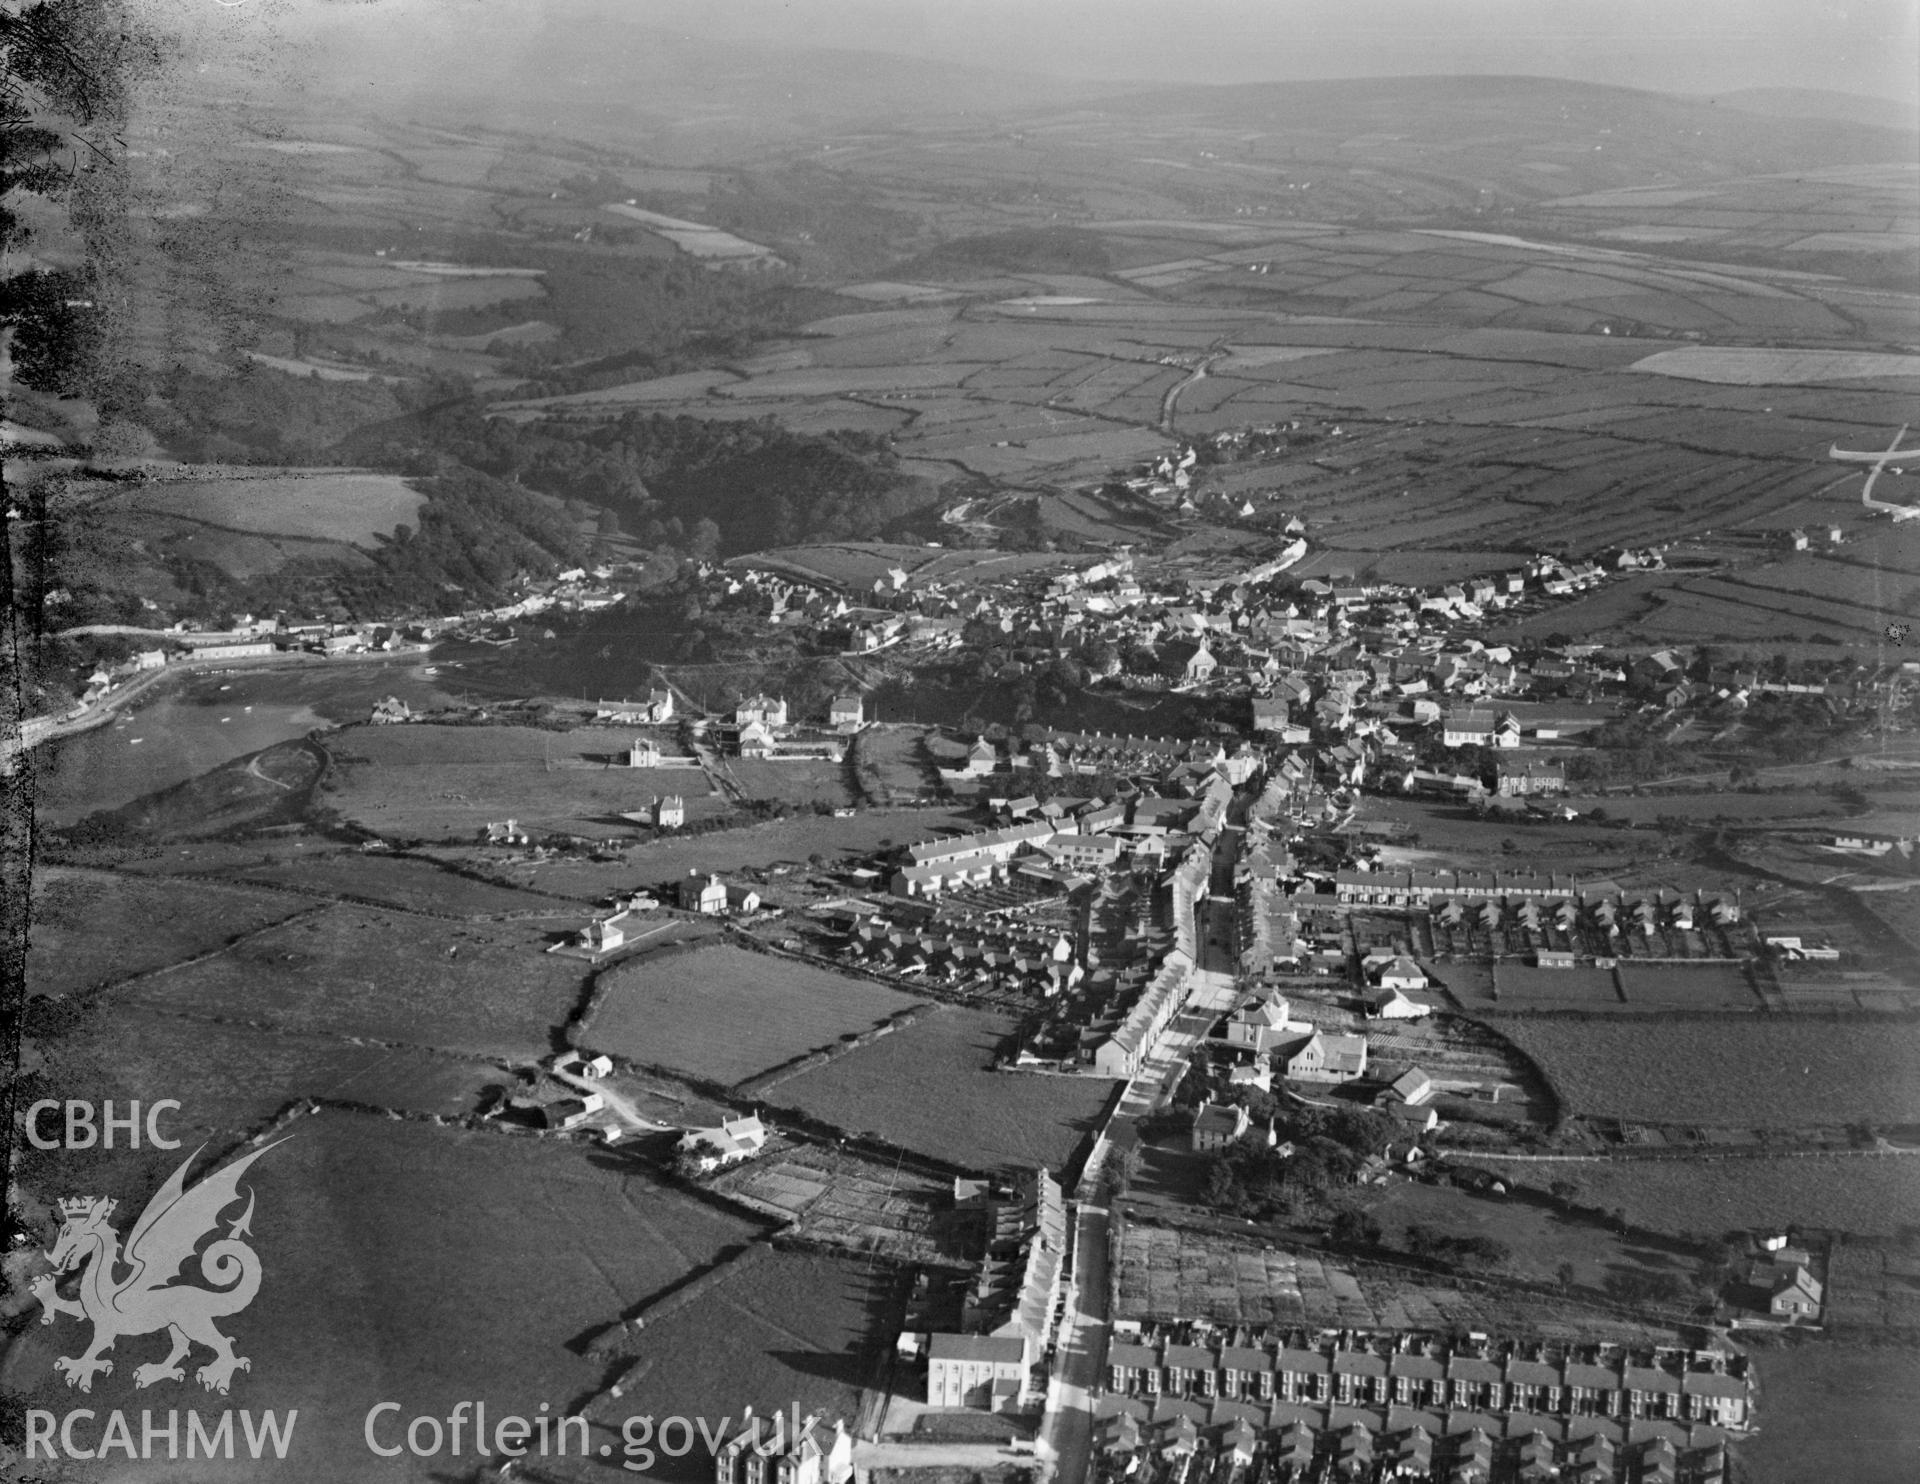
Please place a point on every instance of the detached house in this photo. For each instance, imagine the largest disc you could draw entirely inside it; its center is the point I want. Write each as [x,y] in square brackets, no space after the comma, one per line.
[733,1140]
[1216,1126]
[769,711]
[1328,1058]
[706,894]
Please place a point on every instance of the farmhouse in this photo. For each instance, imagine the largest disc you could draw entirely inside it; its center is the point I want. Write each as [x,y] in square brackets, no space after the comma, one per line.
[604,934]
[669,812]
[707,894]
[733,1140]
[848,713]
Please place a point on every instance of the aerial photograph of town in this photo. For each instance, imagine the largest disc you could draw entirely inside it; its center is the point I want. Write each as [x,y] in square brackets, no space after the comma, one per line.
[961,742]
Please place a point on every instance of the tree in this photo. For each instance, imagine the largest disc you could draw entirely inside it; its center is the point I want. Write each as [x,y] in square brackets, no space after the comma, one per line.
[1565,1274]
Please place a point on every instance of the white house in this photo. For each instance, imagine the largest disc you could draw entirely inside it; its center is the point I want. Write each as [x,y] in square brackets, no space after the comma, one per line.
[706,894]
[1394,1004]
[734,1140]
[769,711]
[1402,973]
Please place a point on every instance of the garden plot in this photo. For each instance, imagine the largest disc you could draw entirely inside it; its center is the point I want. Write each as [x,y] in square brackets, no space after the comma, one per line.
[859,1204]
[1163,1275]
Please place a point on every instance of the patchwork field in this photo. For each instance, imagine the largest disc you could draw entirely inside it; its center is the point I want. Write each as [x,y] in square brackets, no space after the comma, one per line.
[1468,375]
[725,1014]
[1734,1071]
[931,1088]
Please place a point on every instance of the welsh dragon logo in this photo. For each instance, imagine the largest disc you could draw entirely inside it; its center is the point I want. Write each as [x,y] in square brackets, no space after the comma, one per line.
[134,1292]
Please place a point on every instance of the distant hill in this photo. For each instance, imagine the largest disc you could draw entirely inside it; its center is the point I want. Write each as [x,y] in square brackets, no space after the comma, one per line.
[1817,103]
[613,79]
[1537,123]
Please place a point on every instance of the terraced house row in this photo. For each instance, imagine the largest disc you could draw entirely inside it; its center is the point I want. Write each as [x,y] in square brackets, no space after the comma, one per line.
[1411,1371]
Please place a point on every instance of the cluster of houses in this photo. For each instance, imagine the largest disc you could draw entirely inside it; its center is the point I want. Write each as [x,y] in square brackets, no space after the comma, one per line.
[1175,1448]
[1435,1374]
[766,1450]
[990,1360]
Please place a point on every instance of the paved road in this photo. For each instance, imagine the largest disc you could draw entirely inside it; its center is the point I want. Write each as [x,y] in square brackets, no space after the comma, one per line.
[1066,1438]
[1209,996]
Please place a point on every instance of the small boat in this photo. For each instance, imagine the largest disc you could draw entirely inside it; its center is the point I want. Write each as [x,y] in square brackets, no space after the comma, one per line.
[135,741]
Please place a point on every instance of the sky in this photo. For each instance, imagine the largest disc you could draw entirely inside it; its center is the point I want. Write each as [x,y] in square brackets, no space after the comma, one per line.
[1867,47]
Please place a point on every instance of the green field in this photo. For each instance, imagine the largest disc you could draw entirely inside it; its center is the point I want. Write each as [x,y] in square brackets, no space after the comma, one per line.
[1732,1071]
[424,1266]
[931,1088]
[1836,1412]
[1869,1195]
[417,885]
[1541,1241]
[229,1080]
[347,505]
[447,783]
[801,1330]
[724,1014]
[481,988]
[92,927]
